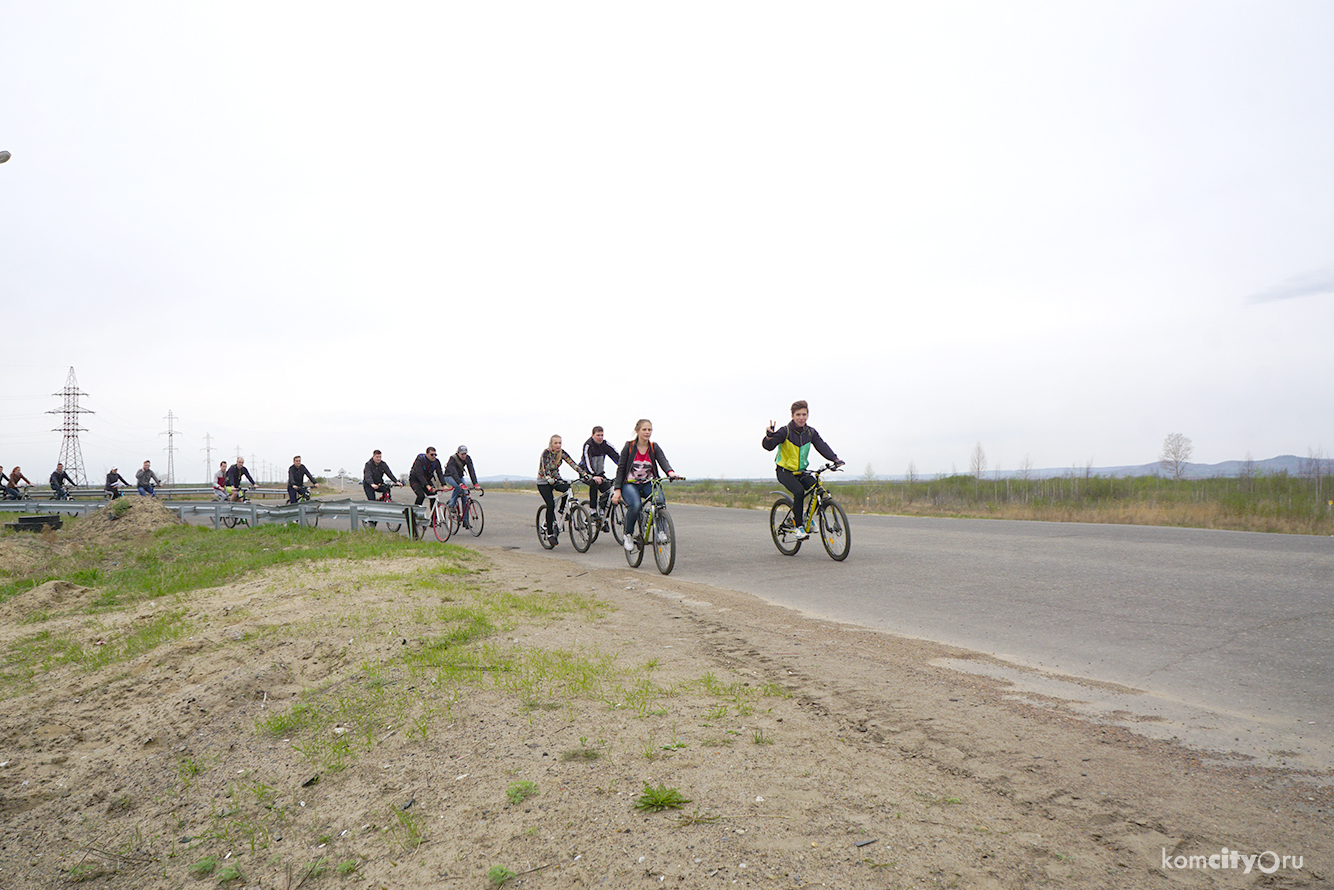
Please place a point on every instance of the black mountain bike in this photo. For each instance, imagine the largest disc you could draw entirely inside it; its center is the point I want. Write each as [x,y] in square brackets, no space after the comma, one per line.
[821,510]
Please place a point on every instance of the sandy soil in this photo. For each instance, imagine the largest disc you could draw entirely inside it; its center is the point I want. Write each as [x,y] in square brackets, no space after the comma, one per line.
[848,760]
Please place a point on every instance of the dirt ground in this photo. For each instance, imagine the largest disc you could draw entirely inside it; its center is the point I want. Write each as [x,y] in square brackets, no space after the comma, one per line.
[849,761]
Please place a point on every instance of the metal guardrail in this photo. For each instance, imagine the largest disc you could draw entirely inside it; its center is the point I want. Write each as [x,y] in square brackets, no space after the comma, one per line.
[305,513]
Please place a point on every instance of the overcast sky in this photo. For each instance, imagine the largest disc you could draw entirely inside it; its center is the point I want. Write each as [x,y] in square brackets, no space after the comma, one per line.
[1061,230]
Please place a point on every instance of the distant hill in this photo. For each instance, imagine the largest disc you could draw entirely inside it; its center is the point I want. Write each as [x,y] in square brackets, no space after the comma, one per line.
[1288,463]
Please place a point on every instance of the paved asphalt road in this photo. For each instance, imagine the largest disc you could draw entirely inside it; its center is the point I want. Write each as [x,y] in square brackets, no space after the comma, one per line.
[1228,634]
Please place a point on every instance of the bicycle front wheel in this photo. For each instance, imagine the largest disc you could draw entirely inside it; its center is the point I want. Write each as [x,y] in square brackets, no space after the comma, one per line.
[834,531]
[440,522]
[546,540]
[579,523]
[635,555]
[618,522]
[229,521]
[664,541]
[782,525]
[455,520]
[475,518]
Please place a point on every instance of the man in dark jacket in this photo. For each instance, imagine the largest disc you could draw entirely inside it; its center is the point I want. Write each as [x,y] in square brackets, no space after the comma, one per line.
[235,473]
[57,479]
[422,477]
[296,473]
[593,462]
[373,475]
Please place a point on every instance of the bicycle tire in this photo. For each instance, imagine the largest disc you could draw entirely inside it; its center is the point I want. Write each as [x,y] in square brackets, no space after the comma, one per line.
[418,527]
[834,532]
[230,521]
[618,522]
[547,541]
[594,528]
[440,523]
[476,518]
[664,552]
[455,523]
[779,513]
[578,523]
[636,555]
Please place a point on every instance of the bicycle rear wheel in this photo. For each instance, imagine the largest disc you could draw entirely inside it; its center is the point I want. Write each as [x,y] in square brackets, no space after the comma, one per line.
[579,524]
[782,525]
[594,525]
[455,520]
[834,531]
[475,518]
[618,522]
[664,540]
[229,521]
[546,540]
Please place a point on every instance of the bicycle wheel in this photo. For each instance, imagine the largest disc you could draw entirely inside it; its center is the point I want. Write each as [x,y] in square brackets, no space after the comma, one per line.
[834,531]
[419,527]
[475,518]
[455,521]
[781,527]
[578,523]
[636,555]
[440,523]
[618,522]
[664,540]
[593,527]
[229,521]
[547,541]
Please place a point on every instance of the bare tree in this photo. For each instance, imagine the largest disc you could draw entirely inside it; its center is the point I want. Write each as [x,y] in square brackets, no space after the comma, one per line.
[912,472]
[1177,449]
[1247,473]
[977,463]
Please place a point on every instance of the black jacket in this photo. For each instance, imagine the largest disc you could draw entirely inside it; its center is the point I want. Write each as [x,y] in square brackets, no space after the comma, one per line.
[591,461]
[454,469]
[234,474]
[374,475]
[295,474]
[424,470]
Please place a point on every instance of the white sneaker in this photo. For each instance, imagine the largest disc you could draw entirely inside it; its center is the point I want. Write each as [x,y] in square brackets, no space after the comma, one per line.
[662,537]
[800,535]
[629,545]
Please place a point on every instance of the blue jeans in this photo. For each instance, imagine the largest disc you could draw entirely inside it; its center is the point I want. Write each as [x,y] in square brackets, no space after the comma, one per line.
[146,490]
[458,493]
[633,493]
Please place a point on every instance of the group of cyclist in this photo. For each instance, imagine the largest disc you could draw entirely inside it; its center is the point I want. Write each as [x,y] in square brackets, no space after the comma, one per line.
[638,463]
[428,476]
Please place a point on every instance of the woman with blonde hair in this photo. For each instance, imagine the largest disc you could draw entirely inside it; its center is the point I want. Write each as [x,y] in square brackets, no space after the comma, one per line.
[549,480]
[641,460]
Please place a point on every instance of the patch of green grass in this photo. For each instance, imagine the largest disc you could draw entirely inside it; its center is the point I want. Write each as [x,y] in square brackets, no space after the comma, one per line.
[231,873]
[759,738]
[204,867]
[405,827]
[655,799]
[518,792]
[499,875]
[346,867]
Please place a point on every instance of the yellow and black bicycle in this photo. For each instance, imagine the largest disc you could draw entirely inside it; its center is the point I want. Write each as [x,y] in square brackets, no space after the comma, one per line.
[822,511]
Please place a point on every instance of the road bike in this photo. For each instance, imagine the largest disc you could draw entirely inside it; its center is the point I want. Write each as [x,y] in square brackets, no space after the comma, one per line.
[467,506]
[386,497]
[655,529]
[575,515]
[437,518]
[822,511]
